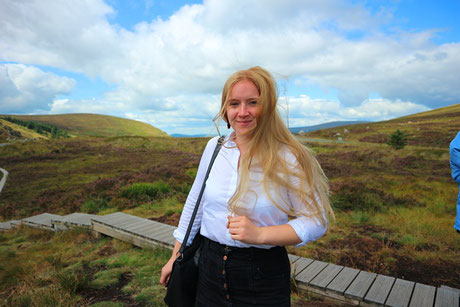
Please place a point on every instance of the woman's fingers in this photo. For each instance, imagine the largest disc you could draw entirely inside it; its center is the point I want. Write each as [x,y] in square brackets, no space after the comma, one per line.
[166,272]
[243,229]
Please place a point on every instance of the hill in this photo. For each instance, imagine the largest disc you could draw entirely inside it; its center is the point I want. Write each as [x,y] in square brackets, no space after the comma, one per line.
[11,132]
[95,124]
[324,126]
[435,128]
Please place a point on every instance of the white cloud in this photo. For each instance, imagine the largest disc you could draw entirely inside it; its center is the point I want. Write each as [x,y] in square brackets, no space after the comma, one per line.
[27,88]
[169,71]
[305,111]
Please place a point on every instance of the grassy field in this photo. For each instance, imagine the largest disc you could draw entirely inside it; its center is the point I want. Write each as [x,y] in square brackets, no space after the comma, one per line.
[10,132]
[427,129]
[95,125]
[395,208]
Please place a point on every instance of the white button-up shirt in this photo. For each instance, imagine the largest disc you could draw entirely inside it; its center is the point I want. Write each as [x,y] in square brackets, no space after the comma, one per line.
[221,185]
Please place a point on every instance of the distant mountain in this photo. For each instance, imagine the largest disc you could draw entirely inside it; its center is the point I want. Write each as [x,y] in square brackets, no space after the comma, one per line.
[95,125]
[325,126]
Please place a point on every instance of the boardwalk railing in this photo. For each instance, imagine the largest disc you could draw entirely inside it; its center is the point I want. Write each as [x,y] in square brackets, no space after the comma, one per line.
[341,284]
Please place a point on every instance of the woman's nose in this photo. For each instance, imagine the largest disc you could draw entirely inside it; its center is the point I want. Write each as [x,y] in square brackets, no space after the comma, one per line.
[243,110]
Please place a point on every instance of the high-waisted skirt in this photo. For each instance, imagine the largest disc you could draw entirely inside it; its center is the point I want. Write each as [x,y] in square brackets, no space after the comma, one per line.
[230,276]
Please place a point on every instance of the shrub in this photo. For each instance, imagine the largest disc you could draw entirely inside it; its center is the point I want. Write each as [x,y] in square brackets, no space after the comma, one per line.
[357,197]
[140,191]
[95,205]
[74,281]
[398,139]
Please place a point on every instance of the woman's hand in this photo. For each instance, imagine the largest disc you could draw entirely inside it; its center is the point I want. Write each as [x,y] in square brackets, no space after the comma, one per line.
[243,229]
[166,272]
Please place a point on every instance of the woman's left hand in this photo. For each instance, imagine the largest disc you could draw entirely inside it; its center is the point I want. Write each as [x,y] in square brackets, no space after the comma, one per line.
[243,229]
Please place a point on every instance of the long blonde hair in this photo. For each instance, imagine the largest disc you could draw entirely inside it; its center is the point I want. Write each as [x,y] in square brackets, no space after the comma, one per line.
[265,145]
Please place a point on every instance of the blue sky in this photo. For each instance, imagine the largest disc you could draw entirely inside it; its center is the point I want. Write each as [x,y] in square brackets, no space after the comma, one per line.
[164,62]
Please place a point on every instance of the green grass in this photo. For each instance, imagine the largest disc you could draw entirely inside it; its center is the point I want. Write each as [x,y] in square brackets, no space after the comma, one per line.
[95,125]
[144,190]
[58,269]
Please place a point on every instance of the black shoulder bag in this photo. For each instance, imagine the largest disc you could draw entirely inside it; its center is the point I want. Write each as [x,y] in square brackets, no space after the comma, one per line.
[182,283]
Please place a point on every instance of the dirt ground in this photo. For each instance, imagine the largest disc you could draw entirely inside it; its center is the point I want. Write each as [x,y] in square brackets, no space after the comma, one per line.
[112,293]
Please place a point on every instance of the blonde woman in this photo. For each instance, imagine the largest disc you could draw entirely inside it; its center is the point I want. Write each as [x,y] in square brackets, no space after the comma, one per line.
[265,191]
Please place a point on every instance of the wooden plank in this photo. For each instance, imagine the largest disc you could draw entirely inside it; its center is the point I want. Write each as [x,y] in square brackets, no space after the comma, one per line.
[450,288]
[326,276]
[5,226]
[124,223]
[311,271]
[141,228]
[423,296]
[154,231]
[300,265]
[42,220]
[172,241]
[127,237]
[134,225]
[446,297]
[343,280]
[165,236]
[78,219]
[400,293]
[380,289]
[112,218]
[162,234]
[293,258]
[360,285]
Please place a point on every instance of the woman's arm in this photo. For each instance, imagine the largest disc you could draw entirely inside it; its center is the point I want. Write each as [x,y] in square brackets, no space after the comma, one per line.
[167,268]
[243,229]
[192,197]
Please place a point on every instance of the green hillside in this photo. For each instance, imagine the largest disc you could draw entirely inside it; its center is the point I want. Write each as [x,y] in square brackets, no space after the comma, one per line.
[434,128]
[11,132]
[95,125]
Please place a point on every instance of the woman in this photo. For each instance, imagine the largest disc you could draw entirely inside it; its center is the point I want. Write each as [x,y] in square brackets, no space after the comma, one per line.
[260,178]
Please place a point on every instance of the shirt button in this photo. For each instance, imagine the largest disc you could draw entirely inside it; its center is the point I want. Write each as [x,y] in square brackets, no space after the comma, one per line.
[228,297]
[225,286]
[223,272]
[225,258]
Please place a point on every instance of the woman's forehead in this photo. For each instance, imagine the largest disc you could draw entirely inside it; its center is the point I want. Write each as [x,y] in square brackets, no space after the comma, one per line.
[244,89]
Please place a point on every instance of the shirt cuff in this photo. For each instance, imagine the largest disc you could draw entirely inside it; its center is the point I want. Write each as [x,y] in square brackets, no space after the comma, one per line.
[307,229]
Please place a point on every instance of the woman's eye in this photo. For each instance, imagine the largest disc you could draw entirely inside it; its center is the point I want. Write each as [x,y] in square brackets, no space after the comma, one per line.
[253,102]
[233,103]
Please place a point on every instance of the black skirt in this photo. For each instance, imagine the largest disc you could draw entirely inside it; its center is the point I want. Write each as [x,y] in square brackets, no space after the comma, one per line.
[230,276]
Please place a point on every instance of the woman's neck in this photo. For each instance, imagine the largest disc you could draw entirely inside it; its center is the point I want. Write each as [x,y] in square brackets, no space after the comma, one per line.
[242,144]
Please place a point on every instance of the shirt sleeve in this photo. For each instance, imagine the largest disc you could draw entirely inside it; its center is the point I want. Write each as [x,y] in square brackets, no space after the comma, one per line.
[192,197]
[455,158]
[307,228]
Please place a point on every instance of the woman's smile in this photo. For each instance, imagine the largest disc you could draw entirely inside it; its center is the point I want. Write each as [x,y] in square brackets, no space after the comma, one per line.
[243,107]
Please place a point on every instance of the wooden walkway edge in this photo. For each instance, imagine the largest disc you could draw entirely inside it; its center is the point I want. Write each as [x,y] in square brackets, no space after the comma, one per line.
[344,285]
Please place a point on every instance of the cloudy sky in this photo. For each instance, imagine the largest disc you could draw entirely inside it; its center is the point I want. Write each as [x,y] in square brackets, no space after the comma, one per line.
[164,62]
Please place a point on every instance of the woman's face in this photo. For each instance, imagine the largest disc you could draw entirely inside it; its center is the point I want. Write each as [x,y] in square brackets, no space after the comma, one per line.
[243,107]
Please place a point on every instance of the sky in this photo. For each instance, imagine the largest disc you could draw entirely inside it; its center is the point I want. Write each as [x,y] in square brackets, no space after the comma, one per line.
[165,62]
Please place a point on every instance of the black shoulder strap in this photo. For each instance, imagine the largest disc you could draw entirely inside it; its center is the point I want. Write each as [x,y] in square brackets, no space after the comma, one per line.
[192,219]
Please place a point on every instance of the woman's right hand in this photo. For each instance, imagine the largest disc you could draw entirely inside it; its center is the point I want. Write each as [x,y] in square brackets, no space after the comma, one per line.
[166,271]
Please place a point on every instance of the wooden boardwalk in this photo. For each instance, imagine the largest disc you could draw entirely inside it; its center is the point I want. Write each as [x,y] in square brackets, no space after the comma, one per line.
[344,285]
